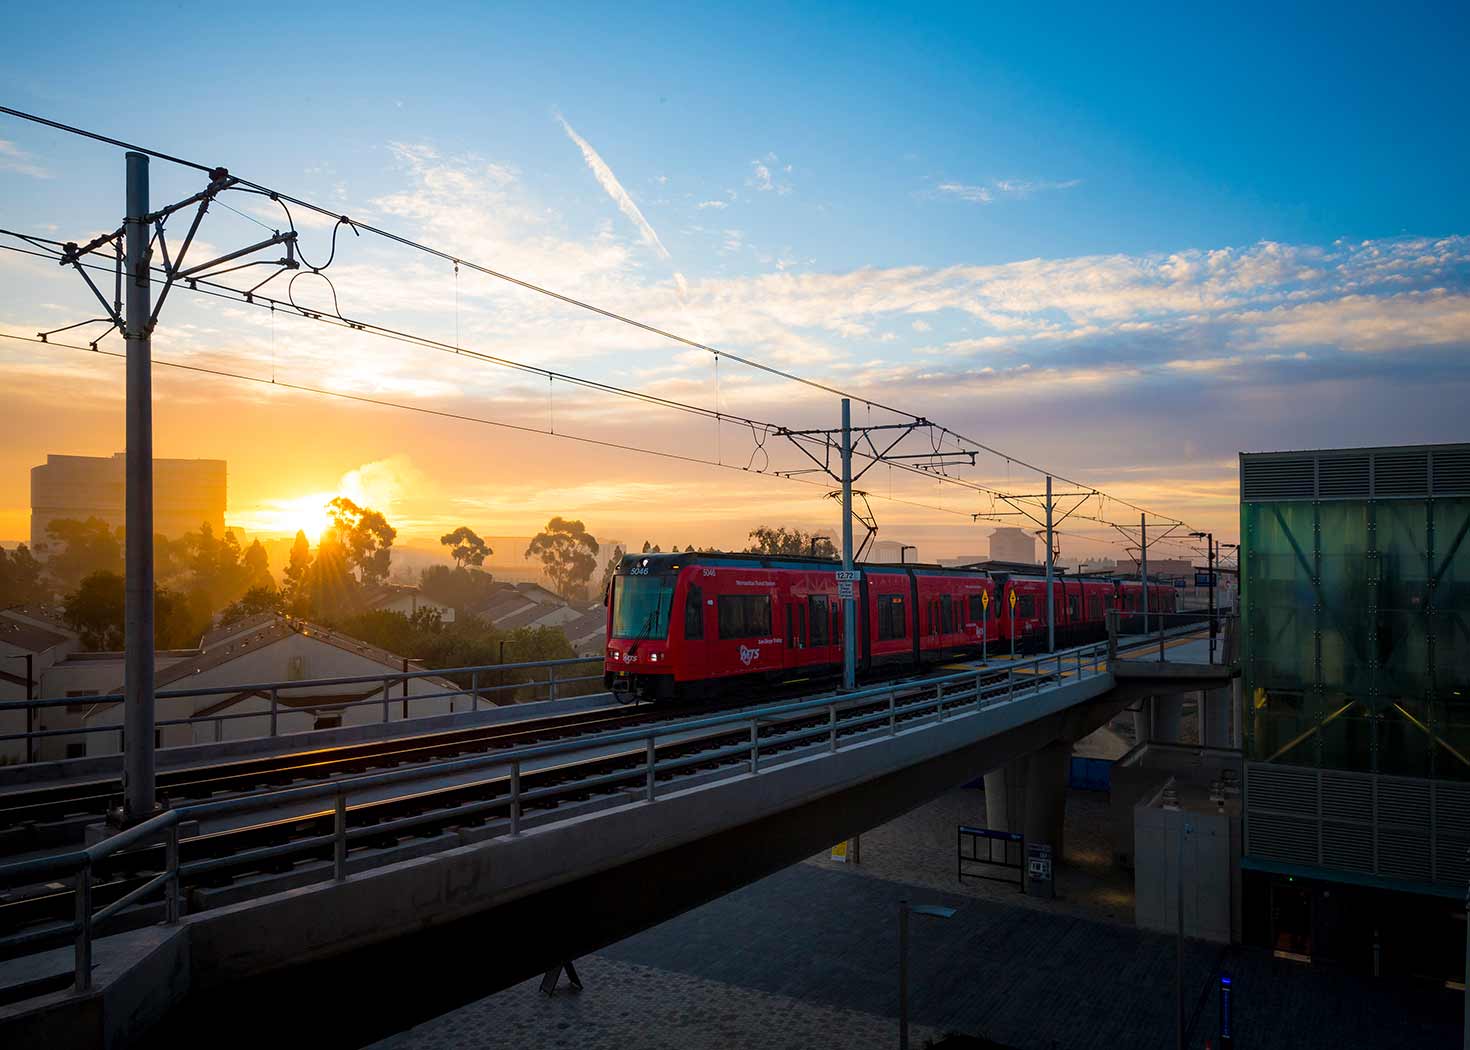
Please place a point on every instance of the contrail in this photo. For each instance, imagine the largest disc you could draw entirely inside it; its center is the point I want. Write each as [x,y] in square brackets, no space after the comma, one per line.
[614,188]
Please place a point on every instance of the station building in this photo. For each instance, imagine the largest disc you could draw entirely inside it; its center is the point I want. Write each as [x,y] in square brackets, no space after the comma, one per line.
[1355,664]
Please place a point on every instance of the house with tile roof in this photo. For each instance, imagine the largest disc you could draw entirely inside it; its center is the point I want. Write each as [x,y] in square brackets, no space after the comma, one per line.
[31,642]
[258,649]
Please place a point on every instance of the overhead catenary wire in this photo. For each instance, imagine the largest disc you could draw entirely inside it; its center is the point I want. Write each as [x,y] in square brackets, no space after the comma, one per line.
[363,399]
[359,227]
[761,428]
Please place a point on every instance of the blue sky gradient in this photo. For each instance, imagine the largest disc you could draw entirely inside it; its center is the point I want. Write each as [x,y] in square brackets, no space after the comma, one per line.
[1129,244]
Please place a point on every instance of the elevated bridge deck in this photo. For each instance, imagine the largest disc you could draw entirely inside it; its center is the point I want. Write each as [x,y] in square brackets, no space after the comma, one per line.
[580,842]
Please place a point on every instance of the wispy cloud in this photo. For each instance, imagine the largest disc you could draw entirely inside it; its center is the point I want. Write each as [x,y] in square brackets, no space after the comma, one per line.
[609,182]
[711,204]
[13,158]
[765,175]
[997,189]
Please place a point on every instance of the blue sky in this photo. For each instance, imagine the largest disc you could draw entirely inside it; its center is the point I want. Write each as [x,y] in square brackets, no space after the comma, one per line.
[1128,243]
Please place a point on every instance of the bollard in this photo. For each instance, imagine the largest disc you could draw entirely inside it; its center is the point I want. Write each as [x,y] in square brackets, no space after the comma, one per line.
[652,760]
[339,838]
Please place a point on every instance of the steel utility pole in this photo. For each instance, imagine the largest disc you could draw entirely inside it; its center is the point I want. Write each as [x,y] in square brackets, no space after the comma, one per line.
[849,606]
[1051,617]
[138,720]
[1143,564]
[1210,564]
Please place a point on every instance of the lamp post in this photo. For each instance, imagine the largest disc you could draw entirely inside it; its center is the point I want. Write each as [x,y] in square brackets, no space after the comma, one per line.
[939,911]
[903,548]
[1209,538]
[30,659]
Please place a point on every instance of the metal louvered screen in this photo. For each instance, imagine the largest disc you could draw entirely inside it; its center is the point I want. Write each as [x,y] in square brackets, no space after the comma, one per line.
[1342,477]
[1401,474]
[1416,472]
[1401,828]
[1451,471]
[1276,479]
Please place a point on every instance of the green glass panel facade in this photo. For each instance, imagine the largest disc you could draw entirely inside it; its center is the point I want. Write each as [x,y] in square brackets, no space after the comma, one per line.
[1356,634]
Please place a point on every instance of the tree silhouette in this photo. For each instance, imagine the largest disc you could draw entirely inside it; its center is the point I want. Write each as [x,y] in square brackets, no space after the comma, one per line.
[611,568]
[295,589]
[569,554]
[466,547]
[86,547]
[366,537]
[783,542]
[20,578]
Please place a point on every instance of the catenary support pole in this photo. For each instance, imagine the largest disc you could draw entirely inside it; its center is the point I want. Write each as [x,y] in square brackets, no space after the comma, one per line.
[1210,568]
[1143,565]
[138,719]
[849,606]
[1051,612]
[903,974]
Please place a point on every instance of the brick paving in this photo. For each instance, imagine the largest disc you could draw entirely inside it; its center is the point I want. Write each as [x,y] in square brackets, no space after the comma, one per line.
[624,1005]
[807,957]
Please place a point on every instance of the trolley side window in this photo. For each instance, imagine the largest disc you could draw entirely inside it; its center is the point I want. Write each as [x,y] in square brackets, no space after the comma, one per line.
[821,620]
[1025,605]
[977,609]
[946,613]
[892,623]
[744,615]
[694,613]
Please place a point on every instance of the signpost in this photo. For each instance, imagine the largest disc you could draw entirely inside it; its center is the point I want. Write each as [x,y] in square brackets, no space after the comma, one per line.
[1038,870]
[1013,623]
[984,622]
[846,580]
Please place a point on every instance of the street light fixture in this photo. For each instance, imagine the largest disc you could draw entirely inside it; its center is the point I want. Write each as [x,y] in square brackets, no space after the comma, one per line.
[902,549]
[1209,538]
[938,911]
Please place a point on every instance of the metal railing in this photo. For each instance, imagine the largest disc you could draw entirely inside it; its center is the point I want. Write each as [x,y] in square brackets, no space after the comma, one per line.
[483,683]
[1126,628]
[764,738]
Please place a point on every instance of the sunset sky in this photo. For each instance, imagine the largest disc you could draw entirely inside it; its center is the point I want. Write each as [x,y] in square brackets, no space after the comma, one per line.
[1123,248]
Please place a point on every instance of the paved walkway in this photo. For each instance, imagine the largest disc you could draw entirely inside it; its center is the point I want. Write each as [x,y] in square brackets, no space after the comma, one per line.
[808,958]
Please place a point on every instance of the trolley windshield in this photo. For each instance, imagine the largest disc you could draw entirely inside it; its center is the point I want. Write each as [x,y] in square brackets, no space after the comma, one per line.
[641,606]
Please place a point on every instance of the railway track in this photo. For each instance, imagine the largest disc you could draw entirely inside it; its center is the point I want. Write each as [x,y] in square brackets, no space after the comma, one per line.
[299,845]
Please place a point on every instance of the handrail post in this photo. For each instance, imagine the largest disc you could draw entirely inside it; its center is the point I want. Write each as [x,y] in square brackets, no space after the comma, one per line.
[892,713]
[474,690]
[171,854]
[652,760]
[551,682]
[339,838]
[274,699]
[832,728]
[939,696]
[1010,683]
[387,707]
[979,696]
[84,928]
[755,746]
[515,798]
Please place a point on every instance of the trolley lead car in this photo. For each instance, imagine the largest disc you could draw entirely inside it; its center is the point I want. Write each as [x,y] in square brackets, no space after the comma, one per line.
[685,625]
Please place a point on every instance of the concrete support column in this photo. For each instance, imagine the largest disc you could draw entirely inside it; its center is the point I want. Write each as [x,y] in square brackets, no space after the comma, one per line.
[1217,717]
[1005,796]
[1046,794]
[1168,712]
[1141,722]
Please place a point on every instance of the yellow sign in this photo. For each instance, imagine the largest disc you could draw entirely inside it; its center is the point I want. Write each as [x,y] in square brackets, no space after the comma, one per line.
[1013,601]
[839,851]
[985,600]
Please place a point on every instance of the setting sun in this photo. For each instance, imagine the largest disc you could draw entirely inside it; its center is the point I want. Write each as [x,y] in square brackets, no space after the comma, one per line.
[306,514]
